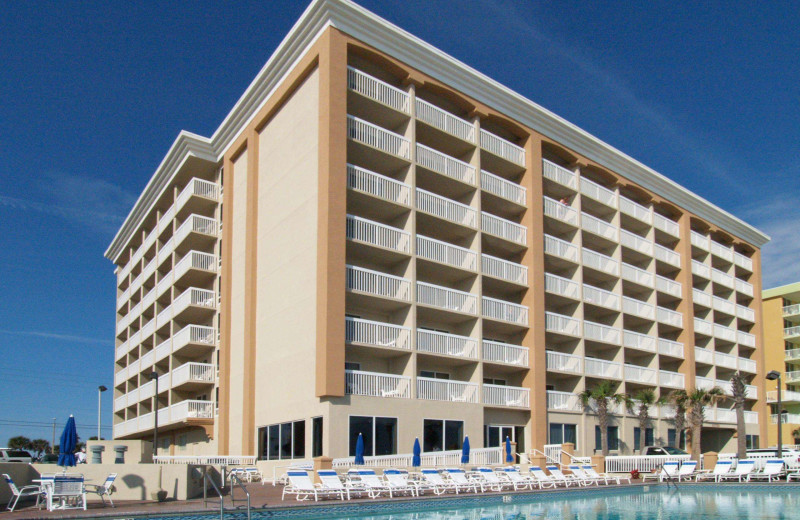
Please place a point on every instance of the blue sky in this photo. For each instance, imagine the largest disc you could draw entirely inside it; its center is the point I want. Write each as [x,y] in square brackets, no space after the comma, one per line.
[92,94]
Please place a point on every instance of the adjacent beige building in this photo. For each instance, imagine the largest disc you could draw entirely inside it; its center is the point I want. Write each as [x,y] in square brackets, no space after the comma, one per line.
[380,240]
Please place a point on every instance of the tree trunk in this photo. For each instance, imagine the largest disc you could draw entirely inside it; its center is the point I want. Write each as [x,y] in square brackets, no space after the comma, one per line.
[680,425]
[643,417]
[602,418]
[697,427]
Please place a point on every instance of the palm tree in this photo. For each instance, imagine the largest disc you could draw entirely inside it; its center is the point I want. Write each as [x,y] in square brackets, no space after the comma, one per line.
[19,443]
[645,398]
[796,435]
[696,402]
[679,399]
[601,395]
[739,389]
[40,446]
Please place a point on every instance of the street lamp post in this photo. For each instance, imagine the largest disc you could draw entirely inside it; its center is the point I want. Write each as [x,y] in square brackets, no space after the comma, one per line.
[154,377]
[100,390]
[53,446]
[773,375]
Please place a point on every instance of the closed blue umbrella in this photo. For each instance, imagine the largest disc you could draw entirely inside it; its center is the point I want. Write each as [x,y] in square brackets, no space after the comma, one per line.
[416,460]
[465,451]
[359,451]
[69,439]
[509,458]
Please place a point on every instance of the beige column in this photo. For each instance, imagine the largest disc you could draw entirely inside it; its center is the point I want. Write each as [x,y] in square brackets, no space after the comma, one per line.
[686,307]
[760,357]
[223,431]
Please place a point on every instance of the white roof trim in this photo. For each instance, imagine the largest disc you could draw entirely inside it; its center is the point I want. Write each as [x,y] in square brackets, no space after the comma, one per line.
[373,30]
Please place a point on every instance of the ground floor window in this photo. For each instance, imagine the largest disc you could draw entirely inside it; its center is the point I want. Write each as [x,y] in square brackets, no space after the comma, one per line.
[613,438]
[380,435]
[282,441]
[648,437]
[671,439]
[562,433]
[441,435]
[751,441]
[316,437]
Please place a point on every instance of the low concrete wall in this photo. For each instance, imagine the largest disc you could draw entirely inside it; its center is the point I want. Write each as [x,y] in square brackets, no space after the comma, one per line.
[138,451]
[21,474]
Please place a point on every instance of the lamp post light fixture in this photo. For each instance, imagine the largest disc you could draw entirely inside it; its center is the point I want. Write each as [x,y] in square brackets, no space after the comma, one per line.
[774,375]
[154,377]
[100,390]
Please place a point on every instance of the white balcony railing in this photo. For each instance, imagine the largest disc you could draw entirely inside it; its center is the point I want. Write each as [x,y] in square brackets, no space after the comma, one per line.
[702,326]
[746,365]
[376,234]
[638,308]
[379,138]
[562,286]
[791,310]
[668,347]
[375,283]
[670,379]
[666,225]
[701,298]
[669,317]
[746,339]
[562,324]
[446,165]
[374,384]
[559,174]
[502,148]
[560,248]
[639,341]
[446,253]
[745,313]
[446,390]
[498,395]
[377,185]
[700,269]
[560,211]
[743,261]
[639,374]
[602,368]
[377,90]
[791,354]
[445,121]
[504,270]
[703,355]
[599,227]
[724,252]
[603,333]
[725,360]
[446,209]
[563,401]
[724,333]
[668,256]
[637,275]
[723,306]
[564,362]
[498,352]
[446,298]
[743,287]
[600,262]
[721,278]
[599,193]
[503,188]
[194,373]
[197,188]
[503,228]
[374,333]
[635,210]
[504,311]
[446,344]
[635,242]
[700,241]
[668,286]
[600,297]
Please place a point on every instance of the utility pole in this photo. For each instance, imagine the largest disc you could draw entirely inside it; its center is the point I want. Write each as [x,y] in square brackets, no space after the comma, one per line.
[53,446]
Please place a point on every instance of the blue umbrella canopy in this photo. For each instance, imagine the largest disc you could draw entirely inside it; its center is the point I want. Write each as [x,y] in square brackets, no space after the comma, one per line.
[465,451]
[509,458]
[359,451]
[416,460]
[69,439]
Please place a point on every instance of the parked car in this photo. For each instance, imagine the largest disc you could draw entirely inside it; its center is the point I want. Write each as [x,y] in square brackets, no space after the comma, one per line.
[790,456]
[663,450]
[48,458]
[9,455]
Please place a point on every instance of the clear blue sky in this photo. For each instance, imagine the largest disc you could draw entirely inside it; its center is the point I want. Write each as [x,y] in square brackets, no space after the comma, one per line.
[92,94]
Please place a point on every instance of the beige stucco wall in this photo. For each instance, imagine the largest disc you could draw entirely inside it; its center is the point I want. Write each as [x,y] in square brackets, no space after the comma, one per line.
[21,474]
[138,451]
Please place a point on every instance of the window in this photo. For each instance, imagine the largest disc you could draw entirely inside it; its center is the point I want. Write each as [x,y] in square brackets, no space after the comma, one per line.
[438,435]
[751,442]
[434,375]
[493,381]
[282,441]
[613,438]
[648,437]
[349,365]
[561,433]
[380,435]
[671,438]
[316,437]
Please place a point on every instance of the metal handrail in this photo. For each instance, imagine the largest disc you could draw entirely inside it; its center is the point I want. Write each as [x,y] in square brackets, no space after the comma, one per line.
[206,479]
[235,480]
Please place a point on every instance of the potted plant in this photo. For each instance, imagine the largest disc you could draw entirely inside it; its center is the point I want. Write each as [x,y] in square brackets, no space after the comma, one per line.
[161,494]
[635,475]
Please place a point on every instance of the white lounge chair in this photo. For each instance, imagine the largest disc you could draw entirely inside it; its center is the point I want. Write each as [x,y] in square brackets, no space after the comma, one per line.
[253,474]
[103,490]
[398,482]
[668,471]
[519,480]
[584,477]
[303,488]
[558,476]
[492,480]
[373,483]
[459,478]
[605,476]
[744,468]
[24,491]
[543,479]
[330,481]
[722,467]
[687,470]
[773,469]
[435,481]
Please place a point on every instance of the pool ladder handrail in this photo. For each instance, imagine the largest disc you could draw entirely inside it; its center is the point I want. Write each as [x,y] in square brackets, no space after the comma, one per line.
[206,479]
[236,481]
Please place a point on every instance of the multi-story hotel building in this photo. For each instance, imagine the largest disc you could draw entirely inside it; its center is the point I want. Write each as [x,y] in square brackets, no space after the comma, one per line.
[782,353]
[380,240]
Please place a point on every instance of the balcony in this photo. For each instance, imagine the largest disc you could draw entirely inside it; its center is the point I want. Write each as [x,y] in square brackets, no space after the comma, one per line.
[704,327]
[670,379]
[193,300]
[786,418]
[445,121]
[746,365]
[445,344]
[635,210]
[638,308]
[639,341]
[446,299]
[636,243]
[724,333]
[699,241]
[377,90]
[723,306]
[193,225]
[378,138]
[787,396]
[743,262]
[502,148]
[561,324]
[560,362]
[563,401]
[512,396]
[792,355]
[379,235]
[703,355]
[446,253]
[720,251]
[793,377]
[637,275]
[720,415]
[705,383]
[701,270]
[602,333]
[375,283]
[743,287]
[745,313]
[446,390]
[365,181]
[701,298]
[599,227]
[446,209]
[504,270]
[376,334]
[559,174]
[505,353]
[791,310]
[602,368]
[599,193]
[560,211]
[666,225]
[668,256]
[600,262]
[504,311]
[791,332]
[670,348]
[445,165]
[725,360]
[374,384]
[669,317]
[504,229]
[190,374]
[667,286]
[192,338]
[504,189]
[560,248]
[721,278]
[642,375]
[599,297]
[561,286]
